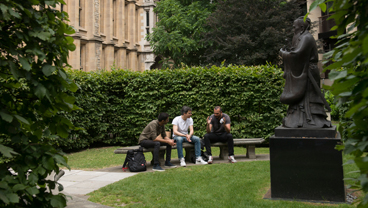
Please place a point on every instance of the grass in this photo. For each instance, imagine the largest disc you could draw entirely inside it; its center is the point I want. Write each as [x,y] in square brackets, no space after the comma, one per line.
[241,184]
[99,158]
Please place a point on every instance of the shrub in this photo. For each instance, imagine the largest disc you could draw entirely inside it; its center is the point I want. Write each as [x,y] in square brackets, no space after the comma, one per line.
[117,105]
[335,112]
[339,106]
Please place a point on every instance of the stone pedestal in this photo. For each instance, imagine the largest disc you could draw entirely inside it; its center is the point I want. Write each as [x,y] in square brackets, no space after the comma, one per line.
[306,168]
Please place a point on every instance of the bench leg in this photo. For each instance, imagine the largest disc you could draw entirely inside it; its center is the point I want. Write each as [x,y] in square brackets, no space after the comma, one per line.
[224,152]
[251,151]
[189,153]
[161,157]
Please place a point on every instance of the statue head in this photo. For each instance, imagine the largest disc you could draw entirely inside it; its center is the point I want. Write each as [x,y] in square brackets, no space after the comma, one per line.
[300,26]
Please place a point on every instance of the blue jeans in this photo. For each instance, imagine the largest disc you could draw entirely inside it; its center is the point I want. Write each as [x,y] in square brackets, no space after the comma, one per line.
[194,140]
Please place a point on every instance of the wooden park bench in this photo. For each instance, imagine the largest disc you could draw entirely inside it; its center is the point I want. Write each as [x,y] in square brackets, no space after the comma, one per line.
[250,144]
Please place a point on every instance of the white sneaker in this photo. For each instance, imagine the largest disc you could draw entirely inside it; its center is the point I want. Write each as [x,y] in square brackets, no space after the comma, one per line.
[199,160]
[182,162]
[232,159]
[210,159]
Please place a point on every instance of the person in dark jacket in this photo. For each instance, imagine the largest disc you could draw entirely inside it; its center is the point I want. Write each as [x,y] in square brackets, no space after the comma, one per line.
[154,136]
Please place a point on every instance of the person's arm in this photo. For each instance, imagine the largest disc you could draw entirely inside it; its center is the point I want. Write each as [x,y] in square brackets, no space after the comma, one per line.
[227,126]
[153,131]
[159,138]
[191,132]
[176,132]
[164,140]
[209,125]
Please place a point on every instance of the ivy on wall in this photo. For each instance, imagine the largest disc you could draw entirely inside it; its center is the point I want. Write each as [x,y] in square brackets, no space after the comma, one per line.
[117,105]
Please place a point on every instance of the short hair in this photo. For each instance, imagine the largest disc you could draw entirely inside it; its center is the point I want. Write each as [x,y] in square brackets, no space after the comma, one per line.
[185,109]
[307,22]
[163,116]
[218,107]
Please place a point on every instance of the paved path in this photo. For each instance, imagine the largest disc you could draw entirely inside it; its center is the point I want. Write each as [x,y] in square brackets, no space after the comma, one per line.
[78,183]
[83,182]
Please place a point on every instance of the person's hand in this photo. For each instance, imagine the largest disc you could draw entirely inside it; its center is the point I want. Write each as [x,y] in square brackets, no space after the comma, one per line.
[171,142]
[224,120]
[188,138]
[209,120]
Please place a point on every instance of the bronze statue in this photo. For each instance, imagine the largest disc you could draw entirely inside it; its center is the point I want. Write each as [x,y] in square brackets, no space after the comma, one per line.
[302,80]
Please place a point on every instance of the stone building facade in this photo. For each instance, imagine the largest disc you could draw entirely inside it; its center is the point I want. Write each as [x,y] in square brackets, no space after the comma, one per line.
[111,33]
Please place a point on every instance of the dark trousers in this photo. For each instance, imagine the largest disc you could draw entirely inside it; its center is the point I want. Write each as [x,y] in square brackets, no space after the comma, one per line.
[156,146]
[224,137]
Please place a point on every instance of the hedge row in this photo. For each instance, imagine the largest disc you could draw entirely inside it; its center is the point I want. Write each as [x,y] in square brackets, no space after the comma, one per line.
[117,105]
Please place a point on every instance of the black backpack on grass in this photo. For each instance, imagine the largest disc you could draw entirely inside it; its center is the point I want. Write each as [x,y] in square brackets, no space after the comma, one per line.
[136,160]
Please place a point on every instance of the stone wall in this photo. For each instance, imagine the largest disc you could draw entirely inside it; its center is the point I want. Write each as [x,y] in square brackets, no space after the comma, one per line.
[105,49]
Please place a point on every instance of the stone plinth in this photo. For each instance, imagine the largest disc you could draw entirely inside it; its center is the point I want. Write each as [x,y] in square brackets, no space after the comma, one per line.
[306,132]
[306,168]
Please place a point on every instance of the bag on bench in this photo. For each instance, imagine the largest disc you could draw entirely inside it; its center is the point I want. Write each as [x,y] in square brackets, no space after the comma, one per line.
[136,160]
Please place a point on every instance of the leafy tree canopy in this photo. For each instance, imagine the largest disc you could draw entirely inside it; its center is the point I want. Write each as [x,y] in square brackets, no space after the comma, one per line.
[33,88]
[177,35]
[249,32]
[208,32]
[350,75]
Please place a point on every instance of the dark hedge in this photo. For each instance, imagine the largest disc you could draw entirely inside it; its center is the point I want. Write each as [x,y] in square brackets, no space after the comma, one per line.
[117,105]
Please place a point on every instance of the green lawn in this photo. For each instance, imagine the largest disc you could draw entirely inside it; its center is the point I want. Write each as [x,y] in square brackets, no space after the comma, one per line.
[98,158]
[242,184]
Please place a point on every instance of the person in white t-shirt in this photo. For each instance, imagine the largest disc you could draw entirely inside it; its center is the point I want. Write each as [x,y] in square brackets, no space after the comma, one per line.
[181,124]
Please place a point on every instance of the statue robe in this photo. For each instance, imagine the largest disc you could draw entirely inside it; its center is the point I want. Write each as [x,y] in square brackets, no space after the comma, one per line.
[306,107]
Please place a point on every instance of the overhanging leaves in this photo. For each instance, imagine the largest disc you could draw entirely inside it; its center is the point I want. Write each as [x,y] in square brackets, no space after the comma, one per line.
[350,83]
[33,48]
[6,116]
[7,151]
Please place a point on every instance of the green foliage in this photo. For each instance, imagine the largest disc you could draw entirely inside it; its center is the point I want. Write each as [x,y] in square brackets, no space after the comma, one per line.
[199,32]
[117,105]
[351,83]
[249,32]
[336,110]
[33,90]
[331,102]
[177,36]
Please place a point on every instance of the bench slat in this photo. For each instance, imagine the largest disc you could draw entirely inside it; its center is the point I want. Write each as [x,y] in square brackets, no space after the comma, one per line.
[237,142]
